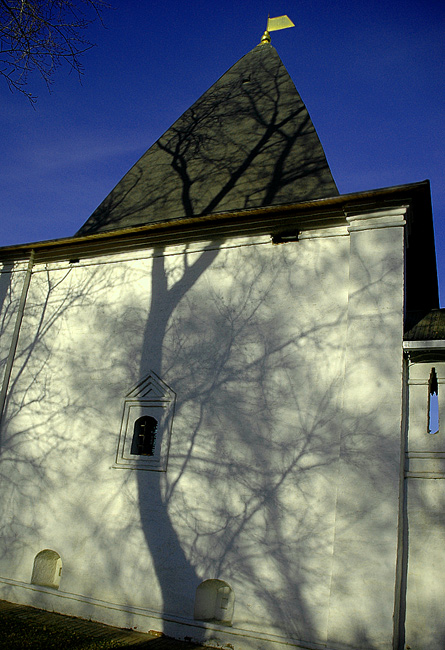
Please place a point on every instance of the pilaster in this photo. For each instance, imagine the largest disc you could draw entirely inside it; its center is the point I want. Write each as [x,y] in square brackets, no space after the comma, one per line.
[368,485]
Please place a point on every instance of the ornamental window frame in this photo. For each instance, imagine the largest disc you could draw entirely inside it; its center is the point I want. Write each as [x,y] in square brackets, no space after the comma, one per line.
[151,398]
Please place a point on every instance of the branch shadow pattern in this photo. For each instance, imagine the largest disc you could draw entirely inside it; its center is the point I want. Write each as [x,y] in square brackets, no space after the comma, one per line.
[248,496]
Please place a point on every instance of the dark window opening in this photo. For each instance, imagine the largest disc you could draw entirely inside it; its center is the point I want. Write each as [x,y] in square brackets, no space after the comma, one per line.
[144,436]
[433,403]
[282,238]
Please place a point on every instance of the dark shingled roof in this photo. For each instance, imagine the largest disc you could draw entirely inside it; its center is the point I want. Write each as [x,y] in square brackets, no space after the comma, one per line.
[421,326]
[247,142]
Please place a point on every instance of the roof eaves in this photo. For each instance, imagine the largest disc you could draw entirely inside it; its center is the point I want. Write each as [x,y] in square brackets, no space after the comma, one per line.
[315,213]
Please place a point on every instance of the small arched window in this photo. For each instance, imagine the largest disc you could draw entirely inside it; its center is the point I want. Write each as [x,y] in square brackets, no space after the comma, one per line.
[433,403]
[144,436]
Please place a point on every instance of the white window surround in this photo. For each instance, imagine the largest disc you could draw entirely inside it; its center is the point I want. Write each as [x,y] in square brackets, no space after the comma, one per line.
[151,397]
[425,452]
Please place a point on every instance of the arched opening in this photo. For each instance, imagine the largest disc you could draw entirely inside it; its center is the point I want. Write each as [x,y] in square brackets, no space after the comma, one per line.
[47,569]
[214,601]
[433,403]
[144,436]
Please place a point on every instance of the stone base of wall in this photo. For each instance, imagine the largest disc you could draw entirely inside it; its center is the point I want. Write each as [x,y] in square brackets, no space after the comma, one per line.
[144,620]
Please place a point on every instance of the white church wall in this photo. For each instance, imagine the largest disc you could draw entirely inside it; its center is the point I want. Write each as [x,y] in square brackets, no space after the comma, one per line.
[365,551]
[269,487]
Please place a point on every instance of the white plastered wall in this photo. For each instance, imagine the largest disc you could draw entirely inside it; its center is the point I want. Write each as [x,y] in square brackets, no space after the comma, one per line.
[282,470]
[365,551]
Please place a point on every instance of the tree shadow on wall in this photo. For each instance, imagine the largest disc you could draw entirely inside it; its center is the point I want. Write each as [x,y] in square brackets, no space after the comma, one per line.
[223,510]
[37,405]
[248,497]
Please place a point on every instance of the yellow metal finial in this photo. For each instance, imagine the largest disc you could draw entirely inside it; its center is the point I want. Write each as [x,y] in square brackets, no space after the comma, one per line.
[274,24]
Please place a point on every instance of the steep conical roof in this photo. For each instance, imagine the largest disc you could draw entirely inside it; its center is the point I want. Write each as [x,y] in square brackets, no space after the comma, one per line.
[247,142]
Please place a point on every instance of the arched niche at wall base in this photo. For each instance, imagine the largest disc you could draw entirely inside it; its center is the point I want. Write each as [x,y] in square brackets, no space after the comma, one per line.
[214,602]
[47,569]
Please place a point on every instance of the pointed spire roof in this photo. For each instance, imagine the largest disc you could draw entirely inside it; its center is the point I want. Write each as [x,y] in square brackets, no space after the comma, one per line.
[247,142]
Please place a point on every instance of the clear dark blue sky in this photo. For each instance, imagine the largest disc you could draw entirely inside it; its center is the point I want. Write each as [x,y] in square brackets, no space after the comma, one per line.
[370,73]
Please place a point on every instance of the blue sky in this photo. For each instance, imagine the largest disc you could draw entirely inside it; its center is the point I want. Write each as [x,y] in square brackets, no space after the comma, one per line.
[370,73]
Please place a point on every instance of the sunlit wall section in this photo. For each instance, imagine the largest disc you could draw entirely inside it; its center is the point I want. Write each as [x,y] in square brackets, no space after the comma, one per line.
[272,377]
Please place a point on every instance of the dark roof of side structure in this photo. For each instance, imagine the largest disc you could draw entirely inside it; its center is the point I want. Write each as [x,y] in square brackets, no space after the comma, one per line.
[248,142]
[421,326]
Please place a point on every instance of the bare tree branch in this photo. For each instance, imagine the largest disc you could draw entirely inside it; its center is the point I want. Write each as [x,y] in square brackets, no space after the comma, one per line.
[38,36]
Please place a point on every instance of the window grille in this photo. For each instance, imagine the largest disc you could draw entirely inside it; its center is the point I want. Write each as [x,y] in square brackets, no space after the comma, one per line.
[144,436]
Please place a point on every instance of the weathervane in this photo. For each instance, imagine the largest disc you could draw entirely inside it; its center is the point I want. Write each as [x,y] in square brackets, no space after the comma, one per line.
[274,24]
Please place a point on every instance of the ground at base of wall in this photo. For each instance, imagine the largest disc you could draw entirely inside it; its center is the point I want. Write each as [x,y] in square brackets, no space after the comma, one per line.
[27,628]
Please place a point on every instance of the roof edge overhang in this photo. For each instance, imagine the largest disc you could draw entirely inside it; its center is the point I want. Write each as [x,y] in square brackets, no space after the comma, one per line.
[424,345]
[428,351]
[273,220]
